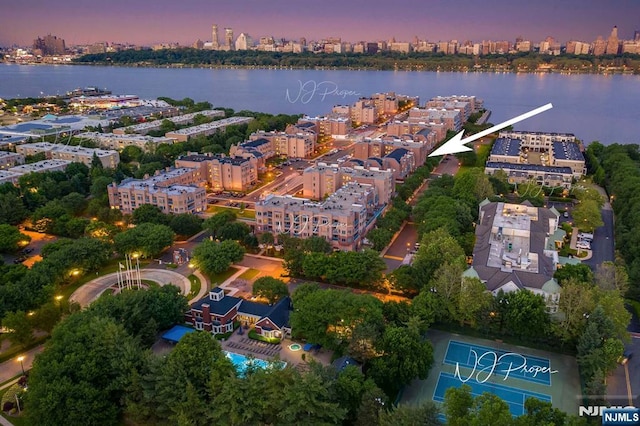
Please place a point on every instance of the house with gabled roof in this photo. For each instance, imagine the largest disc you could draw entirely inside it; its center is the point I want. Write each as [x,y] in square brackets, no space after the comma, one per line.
[219,313]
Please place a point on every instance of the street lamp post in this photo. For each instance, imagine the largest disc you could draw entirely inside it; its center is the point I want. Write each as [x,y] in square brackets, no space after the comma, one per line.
[21,358]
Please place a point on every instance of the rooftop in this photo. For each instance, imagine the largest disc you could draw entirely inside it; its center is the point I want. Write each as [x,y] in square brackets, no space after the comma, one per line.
[567,151]
[506,146]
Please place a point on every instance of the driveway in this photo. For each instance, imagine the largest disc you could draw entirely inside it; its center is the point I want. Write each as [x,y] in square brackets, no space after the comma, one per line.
[94,288]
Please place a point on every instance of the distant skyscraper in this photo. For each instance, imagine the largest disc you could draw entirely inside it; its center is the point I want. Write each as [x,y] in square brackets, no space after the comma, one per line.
[244,42]
[215,45]
[636,35]
[50,45]
[228,38]
[613,44]
[599,46]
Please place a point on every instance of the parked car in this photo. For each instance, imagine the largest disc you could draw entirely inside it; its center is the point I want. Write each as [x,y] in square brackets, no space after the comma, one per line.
[565,214]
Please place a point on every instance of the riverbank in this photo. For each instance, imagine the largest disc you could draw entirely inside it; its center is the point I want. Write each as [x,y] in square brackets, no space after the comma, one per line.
[410,68]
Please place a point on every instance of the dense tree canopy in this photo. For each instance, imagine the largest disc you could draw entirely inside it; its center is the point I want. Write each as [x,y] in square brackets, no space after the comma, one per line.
[213,257]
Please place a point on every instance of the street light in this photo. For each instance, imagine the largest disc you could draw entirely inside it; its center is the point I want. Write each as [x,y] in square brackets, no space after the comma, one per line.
[21,358]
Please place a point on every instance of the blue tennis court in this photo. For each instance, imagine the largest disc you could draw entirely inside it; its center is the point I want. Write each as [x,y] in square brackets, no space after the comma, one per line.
[512,396]
[506,364]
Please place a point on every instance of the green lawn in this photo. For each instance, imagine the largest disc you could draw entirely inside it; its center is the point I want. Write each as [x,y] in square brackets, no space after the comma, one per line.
[245,214]
[222,277]
[249,274]
[195,286]
[16,420]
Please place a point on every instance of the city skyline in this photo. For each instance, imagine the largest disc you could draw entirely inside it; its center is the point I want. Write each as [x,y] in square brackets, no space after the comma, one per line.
[87,22]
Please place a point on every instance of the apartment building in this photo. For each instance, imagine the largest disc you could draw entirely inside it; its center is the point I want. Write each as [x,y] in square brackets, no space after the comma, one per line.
[77,154]
[144,128]
[9,177]
[324,179]
[476,103]
[452,119]
[381,147]
[206,129]
[171,191]
[517,248]
[220,172]
[538,148]
[342,219]
[119,142]
[41,166]
[419,132]
[365,111]
[334,125]
[10,159]
[294,145]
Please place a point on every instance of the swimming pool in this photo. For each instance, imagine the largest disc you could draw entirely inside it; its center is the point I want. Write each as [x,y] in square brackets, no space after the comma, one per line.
[241,362]
[295,347]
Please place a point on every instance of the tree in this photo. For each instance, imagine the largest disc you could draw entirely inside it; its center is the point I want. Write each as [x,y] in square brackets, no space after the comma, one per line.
[447,284]
[270,288]
[11,239]
[214,258]
[405,356]
[148,213]
[146,239]
[457,405]
[266,238]
[185,224]
[474,299]
[12,210]
[82,374]
[612,276]
[587,215]
[215,222]
[576,301]
[489,409]
[541,413]
[403,279]
[329,317]
[437,248]
[581,272]
[526,315]
[20,326]
[307,401]
[425,414]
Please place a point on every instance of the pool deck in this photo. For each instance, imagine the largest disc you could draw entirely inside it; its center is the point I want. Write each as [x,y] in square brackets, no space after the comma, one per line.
[241,344]
[293,358]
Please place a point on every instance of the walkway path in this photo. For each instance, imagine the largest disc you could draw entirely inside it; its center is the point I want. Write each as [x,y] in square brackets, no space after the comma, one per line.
[94,288]
[12,368]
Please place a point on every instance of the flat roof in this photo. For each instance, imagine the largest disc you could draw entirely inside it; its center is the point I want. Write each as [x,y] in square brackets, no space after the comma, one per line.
[506,146]
[567,151]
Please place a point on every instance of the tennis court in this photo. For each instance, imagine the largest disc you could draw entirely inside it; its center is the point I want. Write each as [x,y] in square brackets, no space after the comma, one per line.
[512,396]
[491,360]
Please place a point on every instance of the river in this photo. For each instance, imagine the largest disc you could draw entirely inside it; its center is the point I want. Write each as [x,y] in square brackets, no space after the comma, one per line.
[593,107]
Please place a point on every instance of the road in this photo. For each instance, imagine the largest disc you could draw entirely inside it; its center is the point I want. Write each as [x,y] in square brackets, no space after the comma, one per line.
[408,236]
[603,244]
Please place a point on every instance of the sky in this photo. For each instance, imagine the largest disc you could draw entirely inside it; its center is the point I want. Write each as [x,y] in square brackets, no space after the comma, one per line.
[145,22]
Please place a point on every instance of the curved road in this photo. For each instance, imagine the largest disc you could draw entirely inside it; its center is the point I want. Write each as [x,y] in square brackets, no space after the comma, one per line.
[94,288]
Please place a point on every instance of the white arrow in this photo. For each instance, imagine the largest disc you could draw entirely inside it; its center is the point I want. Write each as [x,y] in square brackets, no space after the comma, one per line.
[457,144]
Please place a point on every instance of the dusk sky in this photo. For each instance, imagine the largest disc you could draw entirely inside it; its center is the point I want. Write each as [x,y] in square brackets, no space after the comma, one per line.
[148,22]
